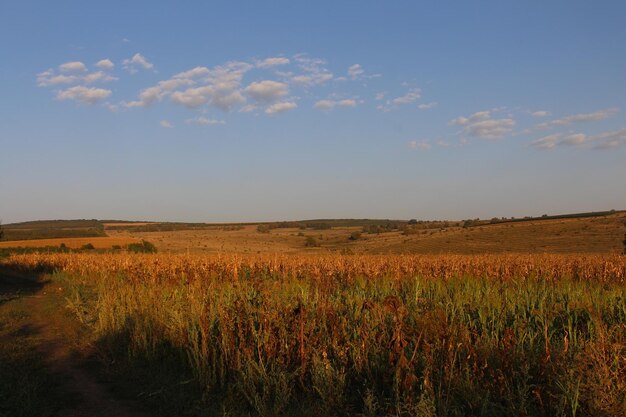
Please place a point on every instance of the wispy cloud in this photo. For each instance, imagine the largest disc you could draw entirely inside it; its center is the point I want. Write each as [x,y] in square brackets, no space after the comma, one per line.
[331,104]
[577,118]
[314,71]
[205,121]
[413,94]
[420,145]
[137,61]
[540,113]
[606,140]
[166,124]
[83,94]
[482,125]
[281,107]
[355,71]
[272,62]
[427,106]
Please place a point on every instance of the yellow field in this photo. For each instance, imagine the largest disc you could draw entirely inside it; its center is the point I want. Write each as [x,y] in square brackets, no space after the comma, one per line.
[356,335]
[584,235]
[73,243]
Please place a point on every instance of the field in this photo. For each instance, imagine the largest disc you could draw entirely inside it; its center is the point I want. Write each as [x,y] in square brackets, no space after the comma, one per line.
[327,334]
[600,234]
[351,318]
[72,243]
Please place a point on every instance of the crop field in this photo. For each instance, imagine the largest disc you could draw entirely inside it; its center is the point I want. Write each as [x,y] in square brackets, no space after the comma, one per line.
[369,335]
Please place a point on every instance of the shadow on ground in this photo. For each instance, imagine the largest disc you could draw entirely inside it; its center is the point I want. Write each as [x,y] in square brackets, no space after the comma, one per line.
[27,387]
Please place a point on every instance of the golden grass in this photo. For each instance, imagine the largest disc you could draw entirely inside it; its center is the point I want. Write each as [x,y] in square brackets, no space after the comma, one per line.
[72,243]
[381,335]
[584,235]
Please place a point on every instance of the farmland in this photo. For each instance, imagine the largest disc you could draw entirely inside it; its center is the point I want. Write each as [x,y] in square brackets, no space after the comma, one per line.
[353,335]
[377,318]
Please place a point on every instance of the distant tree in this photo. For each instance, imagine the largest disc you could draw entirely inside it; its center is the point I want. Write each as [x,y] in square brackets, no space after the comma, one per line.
[413,221]
[263,228]
[1,231]
[143,247]
[310,242]
[624,242]
[88,246]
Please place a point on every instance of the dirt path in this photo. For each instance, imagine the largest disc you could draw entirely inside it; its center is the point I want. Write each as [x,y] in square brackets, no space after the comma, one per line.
[57,339]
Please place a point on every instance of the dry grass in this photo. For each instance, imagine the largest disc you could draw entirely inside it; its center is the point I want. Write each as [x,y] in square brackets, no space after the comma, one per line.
[388,335]
[72,243]
[583,235]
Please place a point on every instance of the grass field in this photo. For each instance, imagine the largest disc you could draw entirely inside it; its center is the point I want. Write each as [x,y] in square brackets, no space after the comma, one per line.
[602,234]
[357,318]
[72,243]
[324,334]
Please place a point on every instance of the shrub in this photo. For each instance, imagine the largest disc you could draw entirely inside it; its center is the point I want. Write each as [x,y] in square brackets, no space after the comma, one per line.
[143,247]
[310,242]
[355,236]
[88,246]
[263,228]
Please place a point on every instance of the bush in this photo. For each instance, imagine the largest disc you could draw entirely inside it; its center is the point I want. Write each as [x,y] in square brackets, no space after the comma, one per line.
[88,246]
[355,236]
[263,228]
[310,242]
[143,247]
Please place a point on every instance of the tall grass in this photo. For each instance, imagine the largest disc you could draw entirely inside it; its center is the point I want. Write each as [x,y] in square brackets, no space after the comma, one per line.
[362,335]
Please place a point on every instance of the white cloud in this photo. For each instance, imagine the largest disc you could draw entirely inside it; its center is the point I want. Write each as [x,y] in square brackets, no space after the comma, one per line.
[380,96]
[98,76]
[105,64]
[355,71]
[421,145]
[409,97]
[281,107]
[48,78]
[576,118]
[330,104]
[609,140]
[606,140]
[427,106]
[546,142]
[412,95]
[574,139]
[481,125]
[540,113]
[226,102]
[267,90]
[135,62]
[150,95]
[74,66]
[315,72]
[272,62]
[193,73]
[218,87]
[166,124]
[205,121]
[84,94]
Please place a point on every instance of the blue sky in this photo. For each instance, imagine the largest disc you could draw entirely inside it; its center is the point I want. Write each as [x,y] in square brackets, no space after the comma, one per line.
[243,111]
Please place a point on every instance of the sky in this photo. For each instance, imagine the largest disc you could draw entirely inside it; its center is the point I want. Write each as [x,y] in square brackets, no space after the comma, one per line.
[230,111]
